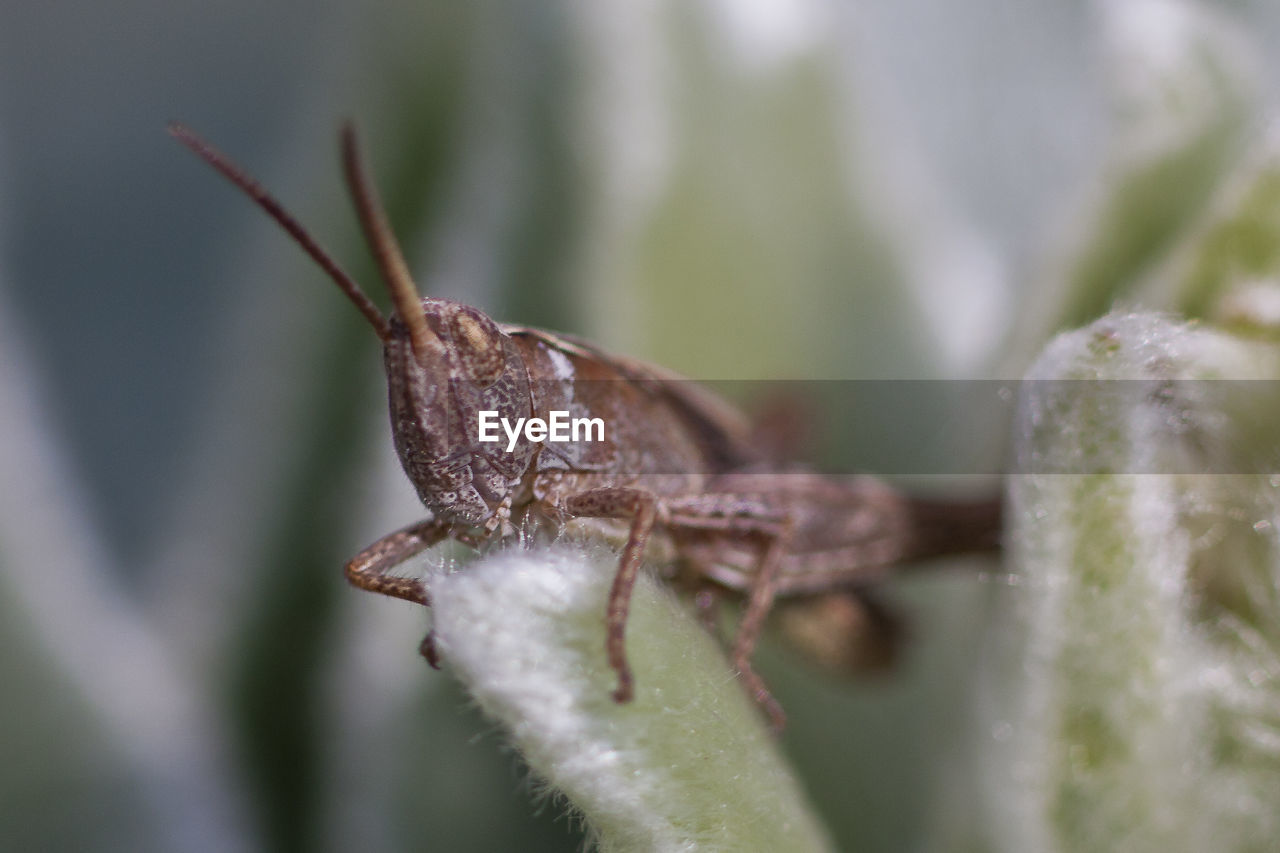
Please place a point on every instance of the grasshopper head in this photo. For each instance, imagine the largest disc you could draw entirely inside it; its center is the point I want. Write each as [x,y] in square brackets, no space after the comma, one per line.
[446,362]
[437,392]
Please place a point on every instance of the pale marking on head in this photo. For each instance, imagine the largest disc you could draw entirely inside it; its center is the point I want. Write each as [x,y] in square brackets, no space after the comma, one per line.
[467,326]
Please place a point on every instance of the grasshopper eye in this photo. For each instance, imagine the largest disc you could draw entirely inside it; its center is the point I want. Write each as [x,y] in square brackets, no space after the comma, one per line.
[478,345]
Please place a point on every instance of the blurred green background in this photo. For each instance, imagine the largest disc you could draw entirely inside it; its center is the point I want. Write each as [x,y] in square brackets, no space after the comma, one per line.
[192,432]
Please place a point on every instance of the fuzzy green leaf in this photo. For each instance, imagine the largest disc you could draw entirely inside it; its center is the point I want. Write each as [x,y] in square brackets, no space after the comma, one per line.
[687,765]
[1134,703]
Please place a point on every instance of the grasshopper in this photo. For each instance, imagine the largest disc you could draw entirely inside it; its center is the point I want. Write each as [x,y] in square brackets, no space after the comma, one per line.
[679,469]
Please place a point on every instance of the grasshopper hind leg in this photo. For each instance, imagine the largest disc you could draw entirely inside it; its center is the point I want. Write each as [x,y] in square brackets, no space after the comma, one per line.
[848,633]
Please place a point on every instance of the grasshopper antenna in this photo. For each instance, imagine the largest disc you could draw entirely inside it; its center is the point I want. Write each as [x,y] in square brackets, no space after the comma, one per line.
[276,211]
[382,242]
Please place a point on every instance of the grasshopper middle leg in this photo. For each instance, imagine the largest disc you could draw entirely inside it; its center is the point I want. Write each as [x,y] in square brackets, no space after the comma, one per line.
[645,510]
[759,601]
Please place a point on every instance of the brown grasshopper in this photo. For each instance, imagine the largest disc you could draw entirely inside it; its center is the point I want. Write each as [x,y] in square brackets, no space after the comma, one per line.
[678,467]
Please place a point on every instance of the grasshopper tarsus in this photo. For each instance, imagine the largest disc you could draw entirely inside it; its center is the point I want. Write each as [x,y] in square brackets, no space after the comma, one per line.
[428,649]
[756,688]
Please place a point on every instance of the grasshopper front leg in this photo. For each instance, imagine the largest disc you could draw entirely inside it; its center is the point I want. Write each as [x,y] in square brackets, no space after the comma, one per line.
[642,508]
[368,570]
